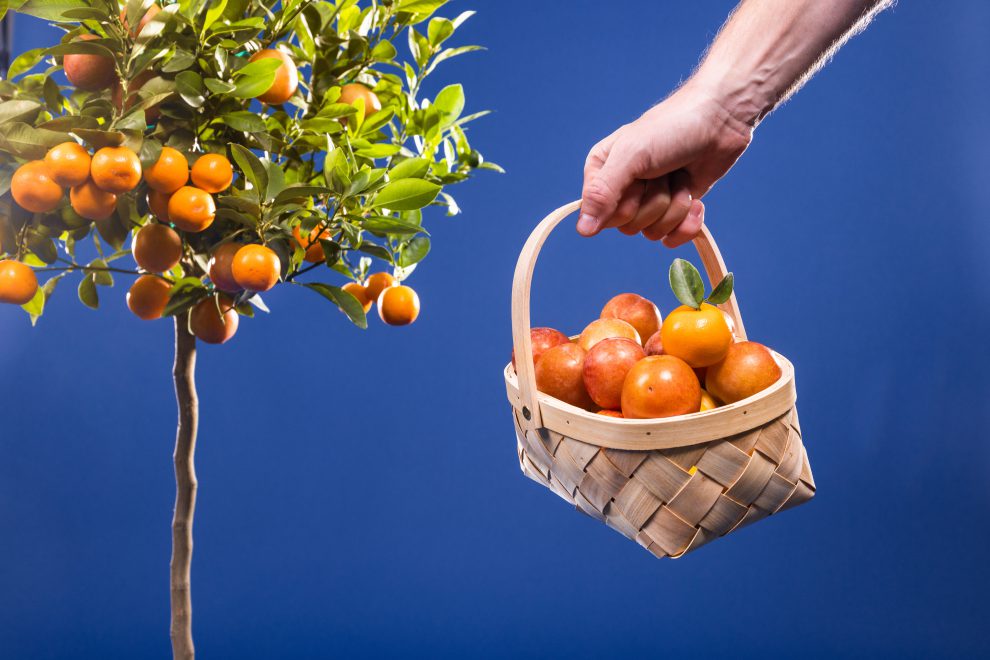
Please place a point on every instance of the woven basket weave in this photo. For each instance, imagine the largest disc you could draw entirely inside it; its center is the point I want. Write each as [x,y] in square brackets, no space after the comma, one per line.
[670,484]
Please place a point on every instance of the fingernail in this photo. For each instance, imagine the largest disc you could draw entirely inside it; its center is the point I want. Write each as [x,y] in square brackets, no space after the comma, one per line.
[587,224]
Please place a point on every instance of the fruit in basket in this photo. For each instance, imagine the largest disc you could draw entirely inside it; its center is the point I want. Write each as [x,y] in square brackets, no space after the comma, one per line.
[660,386]
[696,331]
[708,402]
[543,339]
[559,373]
[700,337]
[605,369]
[611,413]
[635,310]
[747,368]
[654,345]
[604,329]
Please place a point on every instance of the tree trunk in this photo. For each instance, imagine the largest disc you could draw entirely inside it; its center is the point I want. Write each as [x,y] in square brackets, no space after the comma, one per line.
[184,375]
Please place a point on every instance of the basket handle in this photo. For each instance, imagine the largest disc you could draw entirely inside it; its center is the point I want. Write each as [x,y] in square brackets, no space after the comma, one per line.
[521,285]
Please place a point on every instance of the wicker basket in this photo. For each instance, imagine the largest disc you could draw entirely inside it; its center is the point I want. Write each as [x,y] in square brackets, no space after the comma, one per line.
[671,484]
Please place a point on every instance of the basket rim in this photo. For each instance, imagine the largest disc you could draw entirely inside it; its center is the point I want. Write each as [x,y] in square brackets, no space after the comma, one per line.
[668,432]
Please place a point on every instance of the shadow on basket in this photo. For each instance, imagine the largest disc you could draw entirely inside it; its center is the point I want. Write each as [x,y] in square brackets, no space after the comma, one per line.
[671,484]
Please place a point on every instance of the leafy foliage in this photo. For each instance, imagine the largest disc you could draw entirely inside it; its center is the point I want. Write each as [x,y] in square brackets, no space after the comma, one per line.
[313,162]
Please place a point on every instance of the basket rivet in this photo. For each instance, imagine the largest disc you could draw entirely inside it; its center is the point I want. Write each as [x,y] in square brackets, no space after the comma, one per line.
[528,415]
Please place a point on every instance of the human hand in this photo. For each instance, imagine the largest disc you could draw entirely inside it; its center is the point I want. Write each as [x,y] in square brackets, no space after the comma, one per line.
[648,175]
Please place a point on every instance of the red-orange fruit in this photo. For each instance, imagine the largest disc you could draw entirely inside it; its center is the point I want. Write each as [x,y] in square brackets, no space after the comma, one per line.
[158,204]
[18,283]
[191,209]
[213,320]
[311,243]
[398,305]
[748,368]
[286,77]
[559,373]
[221,267]
[115,169]
[89,72]
[635,310]
[601,329]
[611,413]
[378,282]
[148,297]
[34,189]
[212,173]
[654,345]
[542,339]
[660,386]
[256,267]
[156,248]
[605,369]
[92,202]
[68,163]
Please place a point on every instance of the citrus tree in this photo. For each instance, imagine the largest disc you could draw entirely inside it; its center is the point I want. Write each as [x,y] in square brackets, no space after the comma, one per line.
[242,145]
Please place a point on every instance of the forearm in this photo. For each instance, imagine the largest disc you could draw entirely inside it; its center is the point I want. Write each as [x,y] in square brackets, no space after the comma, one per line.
[768,48]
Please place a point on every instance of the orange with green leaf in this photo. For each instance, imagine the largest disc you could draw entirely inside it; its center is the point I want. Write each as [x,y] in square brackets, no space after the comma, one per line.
[247,146]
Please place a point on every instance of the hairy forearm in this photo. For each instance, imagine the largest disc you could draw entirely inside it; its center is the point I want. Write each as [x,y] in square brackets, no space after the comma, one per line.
[769,48]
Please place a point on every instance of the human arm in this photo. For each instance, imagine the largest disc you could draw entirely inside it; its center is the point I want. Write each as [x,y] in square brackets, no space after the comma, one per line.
[649,175]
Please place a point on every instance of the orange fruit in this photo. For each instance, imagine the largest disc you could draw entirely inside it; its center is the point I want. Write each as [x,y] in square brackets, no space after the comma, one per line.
[212,173]
[601,329]
[115,169]
[398,305]
[635,310]
[708,402]
[360,293]
[748,368]
[156,247]
[559,374]
[89,72]
[700,337]
[158,204]
[351,92]
[256,267]
[68,163]
[213,320]
[378,282]
[314,251]
[611,413]
[18,283]
[148,296]
[92,202]
[191,209]
[169,173]
[286,77]
[660,386]
[220,267]
[34,189]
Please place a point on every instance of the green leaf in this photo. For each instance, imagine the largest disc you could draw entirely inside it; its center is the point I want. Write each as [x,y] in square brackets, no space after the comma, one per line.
[722,290]
[685,282]
[190,87]
[242,120]
[51,10]
[256,78]
[215,12]
[439,30]
[252,168]
[421,6]
[36,306]
[450,102]
[407,194]
[100,276]
[87,293]
[25,62]
[19,110]
[24,141]
[344,300]
[414,251]
[410,168]
[384,224]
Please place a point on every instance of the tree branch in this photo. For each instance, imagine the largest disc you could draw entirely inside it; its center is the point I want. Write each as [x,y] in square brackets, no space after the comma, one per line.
[184,375]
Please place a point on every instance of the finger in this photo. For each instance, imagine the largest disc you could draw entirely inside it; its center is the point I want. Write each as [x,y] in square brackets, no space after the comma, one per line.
[690,228]
[654,204]
[628,206]
[680,204]
[603,192]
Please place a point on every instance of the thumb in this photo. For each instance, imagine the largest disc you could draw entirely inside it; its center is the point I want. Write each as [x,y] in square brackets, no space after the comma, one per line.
[603,190]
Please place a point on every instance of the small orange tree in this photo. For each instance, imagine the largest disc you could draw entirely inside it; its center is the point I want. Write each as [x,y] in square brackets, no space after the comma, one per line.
[312,153]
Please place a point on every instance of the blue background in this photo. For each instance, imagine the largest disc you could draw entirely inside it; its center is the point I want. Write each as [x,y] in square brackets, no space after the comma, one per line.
[360,494]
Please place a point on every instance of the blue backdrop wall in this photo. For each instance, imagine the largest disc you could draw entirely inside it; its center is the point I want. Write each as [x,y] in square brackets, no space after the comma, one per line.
[359,490]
